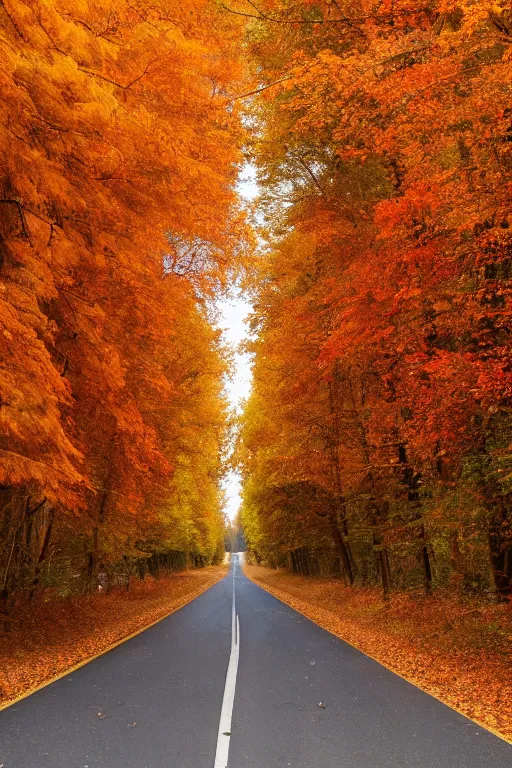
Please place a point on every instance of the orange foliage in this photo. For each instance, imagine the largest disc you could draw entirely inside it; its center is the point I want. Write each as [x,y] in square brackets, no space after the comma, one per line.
[118,222]
[382,367]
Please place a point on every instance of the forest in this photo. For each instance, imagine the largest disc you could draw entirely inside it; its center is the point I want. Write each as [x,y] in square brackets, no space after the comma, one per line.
[376,445]
[119,225]
[377,441]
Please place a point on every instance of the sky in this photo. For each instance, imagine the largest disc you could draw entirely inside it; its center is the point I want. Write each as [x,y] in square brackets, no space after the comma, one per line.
[233,312]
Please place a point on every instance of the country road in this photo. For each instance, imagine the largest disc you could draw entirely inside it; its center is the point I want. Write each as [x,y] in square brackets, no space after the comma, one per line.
[162,700]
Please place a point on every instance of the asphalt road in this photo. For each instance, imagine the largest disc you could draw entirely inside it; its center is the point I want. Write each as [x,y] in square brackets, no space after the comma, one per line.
[156,700]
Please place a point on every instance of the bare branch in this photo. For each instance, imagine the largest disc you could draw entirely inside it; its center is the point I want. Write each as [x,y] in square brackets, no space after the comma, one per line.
[21,214]
[260,90]
[311,175]
[113,82]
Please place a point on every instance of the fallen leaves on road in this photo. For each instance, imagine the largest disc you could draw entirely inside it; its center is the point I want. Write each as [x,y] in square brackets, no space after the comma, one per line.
[55,636]
[461,656]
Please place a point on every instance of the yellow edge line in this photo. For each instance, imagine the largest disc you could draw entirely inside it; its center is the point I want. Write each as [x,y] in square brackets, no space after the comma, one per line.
[125,639]
[390,669]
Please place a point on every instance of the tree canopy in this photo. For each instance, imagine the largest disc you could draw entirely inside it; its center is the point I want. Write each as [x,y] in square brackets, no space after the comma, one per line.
[119,223]
[376,443]
[377,440]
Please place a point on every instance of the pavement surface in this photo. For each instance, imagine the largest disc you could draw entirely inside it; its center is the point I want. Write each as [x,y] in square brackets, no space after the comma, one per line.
[156,700]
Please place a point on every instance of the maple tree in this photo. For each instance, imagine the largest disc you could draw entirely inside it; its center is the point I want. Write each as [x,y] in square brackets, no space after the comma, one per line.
[381,407]
[119,223]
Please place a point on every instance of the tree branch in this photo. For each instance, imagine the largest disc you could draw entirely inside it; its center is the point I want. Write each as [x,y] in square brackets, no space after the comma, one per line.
[347,20]
[16,28]
[260,90]
[311,175]
[113,82]
[21,214]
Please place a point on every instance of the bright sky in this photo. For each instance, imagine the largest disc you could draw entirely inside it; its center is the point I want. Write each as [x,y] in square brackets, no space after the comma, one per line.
[233,313]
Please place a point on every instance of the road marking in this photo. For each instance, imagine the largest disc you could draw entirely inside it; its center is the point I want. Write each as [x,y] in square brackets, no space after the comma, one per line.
[226,713]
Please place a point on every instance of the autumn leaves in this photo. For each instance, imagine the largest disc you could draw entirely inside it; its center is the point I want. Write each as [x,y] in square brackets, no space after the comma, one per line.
[377,438]
[119,222]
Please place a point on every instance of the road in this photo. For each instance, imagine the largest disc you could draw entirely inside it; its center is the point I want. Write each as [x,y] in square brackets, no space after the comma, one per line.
[156,701]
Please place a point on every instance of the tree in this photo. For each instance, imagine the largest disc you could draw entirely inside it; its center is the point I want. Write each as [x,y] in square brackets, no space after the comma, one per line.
[119,221]
[384,161]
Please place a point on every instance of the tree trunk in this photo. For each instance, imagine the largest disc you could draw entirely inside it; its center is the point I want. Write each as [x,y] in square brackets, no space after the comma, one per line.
[42,555]
[500,548]
[92,560]
[126,562]
[141,568]
[412,481]
[343,551]
[425,559]
[382,565]
[93,554]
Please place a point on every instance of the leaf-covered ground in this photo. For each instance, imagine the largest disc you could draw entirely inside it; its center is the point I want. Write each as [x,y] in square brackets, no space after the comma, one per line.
[50,638]
[459,652]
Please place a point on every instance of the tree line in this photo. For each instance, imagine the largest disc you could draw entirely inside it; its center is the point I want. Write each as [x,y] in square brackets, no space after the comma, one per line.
[119,223]
[376,444]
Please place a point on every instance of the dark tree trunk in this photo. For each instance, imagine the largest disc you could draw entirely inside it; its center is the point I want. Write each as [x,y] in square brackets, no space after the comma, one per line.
[126,562]
[378,513]
[42,555]
[382,565]
[425,558]
[92,560]
[343,551]
[141,568]
[4,608]
[93,554]
[500,548]
[412,480]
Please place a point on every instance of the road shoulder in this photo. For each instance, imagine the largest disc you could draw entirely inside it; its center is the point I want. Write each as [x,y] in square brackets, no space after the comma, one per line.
[69,634]
[476,684]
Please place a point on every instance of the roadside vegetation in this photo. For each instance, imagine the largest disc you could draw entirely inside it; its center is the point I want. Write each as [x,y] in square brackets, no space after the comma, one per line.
[376,444]
[119,225]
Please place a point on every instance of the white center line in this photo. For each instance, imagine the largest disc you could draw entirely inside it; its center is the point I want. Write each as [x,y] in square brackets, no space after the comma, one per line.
[226,713]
